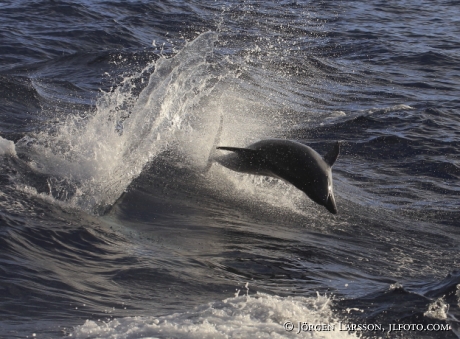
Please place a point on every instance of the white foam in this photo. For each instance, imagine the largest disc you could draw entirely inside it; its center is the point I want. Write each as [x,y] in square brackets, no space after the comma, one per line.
[257,316]
[394,108]
[395,286]
[7,147]
[437,310]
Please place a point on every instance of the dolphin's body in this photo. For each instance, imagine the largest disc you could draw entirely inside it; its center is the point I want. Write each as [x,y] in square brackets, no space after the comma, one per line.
[290,161]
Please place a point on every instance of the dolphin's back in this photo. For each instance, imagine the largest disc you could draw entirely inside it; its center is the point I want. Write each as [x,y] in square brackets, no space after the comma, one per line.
[291,158]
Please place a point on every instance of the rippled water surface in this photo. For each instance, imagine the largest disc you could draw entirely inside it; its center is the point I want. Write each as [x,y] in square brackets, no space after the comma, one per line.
[115,222]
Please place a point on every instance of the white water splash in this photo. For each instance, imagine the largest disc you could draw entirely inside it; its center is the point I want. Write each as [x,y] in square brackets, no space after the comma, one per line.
[258,316]
[437,309]
[7,147]
[100,155]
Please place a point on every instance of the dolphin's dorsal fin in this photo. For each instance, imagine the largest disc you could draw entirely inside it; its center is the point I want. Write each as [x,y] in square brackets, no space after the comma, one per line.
[241,151]
[332,155]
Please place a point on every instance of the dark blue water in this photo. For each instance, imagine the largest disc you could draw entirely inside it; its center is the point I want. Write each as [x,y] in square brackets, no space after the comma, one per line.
[116,223]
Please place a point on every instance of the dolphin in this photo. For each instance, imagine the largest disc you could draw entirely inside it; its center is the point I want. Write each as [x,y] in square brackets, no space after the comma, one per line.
[290,161]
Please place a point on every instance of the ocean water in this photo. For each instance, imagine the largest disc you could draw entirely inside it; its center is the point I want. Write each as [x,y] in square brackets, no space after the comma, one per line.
[115,222]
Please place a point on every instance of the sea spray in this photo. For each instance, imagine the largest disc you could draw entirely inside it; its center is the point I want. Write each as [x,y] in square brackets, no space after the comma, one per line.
[98,156]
